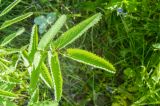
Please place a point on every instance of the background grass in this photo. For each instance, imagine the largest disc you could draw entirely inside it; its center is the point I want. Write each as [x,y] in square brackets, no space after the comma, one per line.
[124,38]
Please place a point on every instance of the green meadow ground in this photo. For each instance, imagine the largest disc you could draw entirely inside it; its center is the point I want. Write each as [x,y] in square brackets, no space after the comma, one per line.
[128,36]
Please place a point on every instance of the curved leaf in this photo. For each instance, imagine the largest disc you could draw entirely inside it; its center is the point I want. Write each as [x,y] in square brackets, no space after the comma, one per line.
[56,75]
[15,20]
[9,38]
[47,37]
[38,59]
[45,75]
[90,59]
[76,31]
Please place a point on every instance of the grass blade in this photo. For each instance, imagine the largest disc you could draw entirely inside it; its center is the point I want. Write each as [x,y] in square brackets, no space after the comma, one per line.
[12,5]
[33,42]
[90,59]
[76,31]
[56,75]
[9,38]
[46,39]
[15,20]
[7,94]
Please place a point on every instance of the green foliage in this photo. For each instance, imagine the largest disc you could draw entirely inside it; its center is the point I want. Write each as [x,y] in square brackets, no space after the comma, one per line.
[9,38]
[7,94]
[49,35]
[34,97]
[46,77]
[7,9]
[33,42]
[75,32]
[15,20]
[90,59]
[56,75]
[128,36]
[46,103]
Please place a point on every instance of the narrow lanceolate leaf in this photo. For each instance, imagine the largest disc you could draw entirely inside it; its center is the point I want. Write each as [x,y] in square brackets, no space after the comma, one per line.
[56,75]
[15,20]
[38,59]
[46,39]
[7,94]
[9,38]
[25,57]
[34,97]
[90,59]
[45,75]
[76,31]
[6,10]
[33,42]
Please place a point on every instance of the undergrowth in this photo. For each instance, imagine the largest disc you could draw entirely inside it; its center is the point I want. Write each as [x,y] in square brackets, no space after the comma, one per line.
[118,39]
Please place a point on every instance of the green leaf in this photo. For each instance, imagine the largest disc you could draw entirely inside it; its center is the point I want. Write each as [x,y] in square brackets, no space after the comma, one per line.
[8,51]
[90,59]
[8,103]
[12,5]
[76,31]
[45,75]
[15,20]
[9,38]
[46,103]
[25,58]
[33,42]
[38,59]
[156,46]
[56,75]
[34,97]
[7,94]
[47,37]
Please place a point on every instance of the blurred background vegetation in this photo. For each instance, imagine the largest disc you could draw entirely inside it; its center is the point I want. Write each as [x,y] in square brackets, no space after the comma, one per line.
[128,36]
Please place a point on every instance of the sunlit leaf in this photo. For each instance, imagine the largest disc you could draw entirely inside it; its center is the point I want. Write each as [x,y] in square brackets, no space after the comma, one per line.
[90,59]
[49,35]
[7,94]
[7,9]
[156,46]
[56,75]
[34,97]
[33,42]
[76,31]
[15,20]
[38,59]
[45,75]
[9,38]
